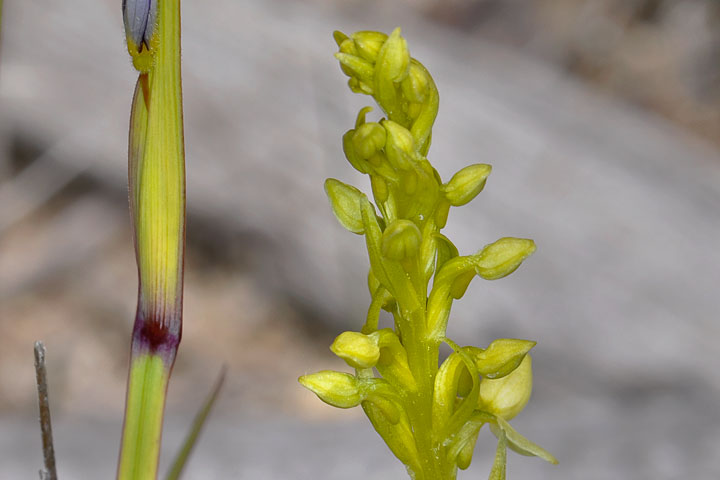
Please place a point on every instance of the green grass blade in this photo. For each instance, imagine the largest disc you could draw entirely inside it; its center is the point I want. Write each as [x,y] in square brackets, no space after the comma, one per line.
[197,425]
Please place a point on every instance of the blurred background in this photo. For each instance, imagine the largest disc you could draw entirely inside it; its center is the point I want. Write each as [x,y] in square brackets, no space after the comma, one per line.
[600,117]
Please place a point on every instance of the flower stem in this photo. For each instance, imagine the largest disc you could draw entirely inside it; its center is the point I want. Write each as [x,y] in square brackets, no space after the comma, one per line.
[156,172]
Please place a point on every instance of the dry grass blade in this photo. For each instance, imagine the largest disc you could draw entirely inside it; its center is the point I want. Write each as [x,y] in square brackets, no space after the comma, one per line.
[49,472]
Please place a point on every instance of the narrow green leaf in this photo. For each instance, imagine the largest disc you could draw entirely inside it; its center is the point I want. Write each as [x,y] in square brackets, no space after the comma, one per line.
[200,418]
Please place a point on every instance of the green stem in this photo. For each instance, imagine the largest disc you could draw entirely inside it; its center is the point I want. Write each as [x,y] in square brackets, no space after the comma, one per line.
[147,385]
[157,201]
[423,357]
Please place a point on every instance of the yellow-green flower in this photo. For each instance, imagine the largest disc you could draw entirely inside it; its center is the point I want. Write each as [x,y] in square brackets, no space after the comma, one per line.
[428,414]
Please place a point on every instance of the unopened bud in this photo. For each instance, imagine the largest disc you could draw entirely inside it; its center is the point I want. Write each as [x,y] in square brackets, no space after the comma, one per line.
[394,57]
[415,85]
[339,37]
[503,257]
[354,66]
[358,163]
[400,144]
[466,184]
[358,350]
[399,137]
[346,45]
[401,240]
[368,44]
[334,388]
[356,86]
[139,17]
[507,396]
[345,202]
[368,139]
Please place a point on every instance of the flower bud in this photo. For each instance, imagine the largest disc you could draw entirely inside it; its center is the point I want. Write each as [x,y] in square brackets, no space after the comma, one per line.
[345,203]
[346,45]
[356,86]
[501,357]
[466,184]
[400,145]
[358,350]
[369,43]
[394,57]
[354,66]
[414,110]
[360,164]
[339,37]
[507,396]
[139,17]
[334,388]
[401,240]
[415,85]
[503,257]
[368,139]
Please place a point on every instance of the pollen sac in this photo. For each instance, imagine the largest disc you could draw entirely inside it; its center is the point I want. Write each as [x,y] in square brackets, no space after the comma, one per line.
[139,17]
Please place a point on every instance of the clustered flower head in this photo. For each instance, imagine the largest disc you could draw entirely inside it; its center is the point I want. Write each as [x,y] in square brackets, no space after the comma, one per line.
[428,414]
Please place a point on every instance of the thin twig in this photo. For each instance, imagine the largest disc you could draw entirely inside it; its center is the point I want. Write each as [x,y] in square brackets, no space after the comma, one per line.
[49,472]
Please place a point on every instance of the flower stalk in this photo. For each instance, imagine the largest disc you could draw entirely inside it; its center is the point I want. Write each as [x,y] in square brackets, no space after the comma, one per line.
[428,413]
[156,172]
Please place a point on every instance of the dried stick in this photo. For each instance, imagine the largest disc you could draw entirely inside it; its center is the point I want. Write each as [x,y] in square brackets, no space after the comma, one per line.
[49,472]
